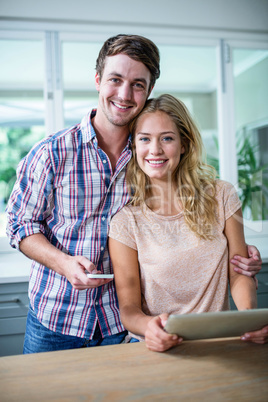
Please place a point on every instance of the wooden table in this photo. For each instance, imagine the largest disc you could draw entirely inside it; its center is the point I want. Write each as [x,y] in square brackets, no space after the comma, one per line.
[214,370]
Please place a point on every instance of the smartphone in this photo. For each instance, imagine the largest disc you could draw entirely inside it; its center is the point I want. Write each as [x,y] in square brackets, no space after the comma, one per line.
[100,276]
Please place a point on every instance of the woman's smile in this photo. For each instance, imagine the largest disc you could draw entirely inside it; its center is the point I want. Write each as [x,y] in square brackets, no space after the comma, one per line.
[156,162]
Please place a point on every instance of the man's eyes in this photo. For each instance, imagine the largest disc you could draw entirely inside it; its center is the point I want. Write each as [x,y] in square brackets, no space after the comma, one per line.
[136,85]
[139,85]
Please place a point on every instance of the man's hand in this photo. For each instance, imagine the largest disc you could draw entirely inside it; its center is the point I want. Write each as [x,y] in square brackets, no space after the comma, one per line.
[156,338]
[248,266]
[260,336]
[38,248]
[76,271]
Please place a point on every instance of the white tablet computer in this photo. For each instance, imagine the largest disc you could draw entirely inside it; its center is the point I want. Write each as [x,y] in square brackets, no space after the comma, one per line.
[216,324]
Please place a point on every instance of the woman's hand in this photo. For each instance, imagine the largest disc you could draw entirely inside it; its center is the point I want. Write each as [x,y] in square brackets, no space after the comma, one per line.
[156,338]
[260,336]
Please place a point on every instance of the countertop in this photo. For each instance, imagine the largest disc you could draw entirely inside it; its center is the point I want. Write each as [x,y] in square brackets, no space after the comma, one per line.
[14,267]
[211,370]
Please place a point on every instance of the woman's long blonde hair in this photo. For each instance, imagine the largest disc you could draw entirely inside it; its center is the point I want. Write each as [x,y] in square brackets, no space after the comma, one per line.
[193,179]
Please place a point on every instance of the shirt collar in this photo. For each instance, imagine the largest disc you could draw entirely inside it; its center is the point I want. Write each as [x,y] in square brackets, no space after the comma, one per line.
[88,132]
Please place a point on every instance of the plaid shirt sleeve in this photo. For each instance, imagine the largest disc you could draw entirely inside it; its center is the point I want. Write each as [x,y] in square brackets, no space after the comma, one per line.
[29,203]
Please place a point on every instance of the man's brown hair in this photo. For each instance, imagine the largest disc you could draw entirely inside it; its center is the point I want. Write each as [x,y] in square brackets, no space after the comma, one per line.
[137,48]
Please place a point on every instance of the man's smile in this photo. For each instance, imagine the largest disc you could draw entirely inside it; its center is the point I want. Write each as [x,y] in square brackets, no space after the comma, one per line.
[121,106]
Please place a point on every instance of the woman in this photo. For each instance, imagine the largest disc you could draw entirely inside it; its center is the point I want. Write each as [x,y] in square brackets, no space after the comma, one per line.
[169,247]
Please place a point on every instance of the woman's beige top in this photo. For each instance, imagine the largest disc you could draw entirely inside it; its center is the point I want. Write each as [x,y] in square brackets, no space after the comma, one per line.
[180,273]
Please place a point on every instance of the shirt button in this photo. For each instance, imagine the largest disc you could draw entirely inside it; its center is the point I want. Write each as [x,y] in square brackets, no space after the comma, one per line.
[96,303]
[103,218]
[104,161]
[102,248]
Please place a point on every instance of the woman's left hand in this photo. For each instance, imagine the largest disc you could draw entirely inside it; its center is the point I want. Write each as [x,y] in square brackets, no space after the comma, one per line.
[260,336]
[156,338]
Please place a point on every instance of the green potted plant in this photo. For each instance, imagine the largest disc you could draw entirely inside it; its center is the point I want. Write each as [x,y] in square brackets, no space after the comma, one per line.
[253,184]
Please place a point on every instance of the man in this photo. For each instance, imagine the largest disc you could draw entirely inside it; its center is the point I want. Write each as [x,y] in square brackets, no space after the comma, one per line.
[68,188]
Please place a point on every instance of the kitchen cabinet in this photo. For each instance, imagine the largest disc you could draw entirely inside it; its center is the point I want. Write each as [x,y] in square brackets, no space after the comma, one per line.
[13,314]
[14,278]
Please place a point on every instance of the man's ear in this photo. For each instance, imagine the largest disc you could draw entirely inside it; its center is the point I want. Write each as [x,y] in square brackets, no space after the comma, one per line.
[149,93]
[97,82]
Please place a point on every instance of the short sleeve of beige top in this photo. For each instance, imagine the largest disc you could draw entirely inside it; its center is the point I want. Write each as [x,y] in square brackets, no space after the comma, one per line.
[180,273]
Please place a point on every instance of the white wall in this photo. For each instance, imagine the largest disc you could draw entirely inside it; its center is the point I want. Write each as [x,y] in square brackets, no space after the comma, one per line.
[236,15]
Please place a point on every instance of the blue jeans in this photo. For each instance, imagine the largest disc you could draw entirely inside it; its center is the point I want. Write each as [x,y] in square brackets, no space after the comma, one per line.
[133,340]
[41,339]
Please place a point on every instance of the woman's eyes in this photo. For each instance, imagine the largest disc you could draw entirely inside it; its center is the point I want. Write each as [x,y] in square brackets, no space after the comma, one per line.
[164,139]
[144,139]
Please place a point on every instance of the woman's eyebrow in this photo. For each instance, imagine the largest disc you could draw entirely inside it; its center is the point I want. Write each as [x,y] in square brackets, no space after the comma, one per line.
[162,132]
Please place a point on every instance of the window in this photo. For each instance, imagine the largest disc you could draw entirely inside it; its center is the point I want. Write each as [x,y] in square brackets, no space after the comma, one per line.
[21,109]
[46,88]
[190,74]
[250,67]
[78,67]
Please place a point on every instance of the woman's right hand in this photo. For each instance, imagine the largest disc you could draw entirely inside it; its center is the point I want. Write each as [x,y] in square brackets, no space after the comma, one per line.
[156,338]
